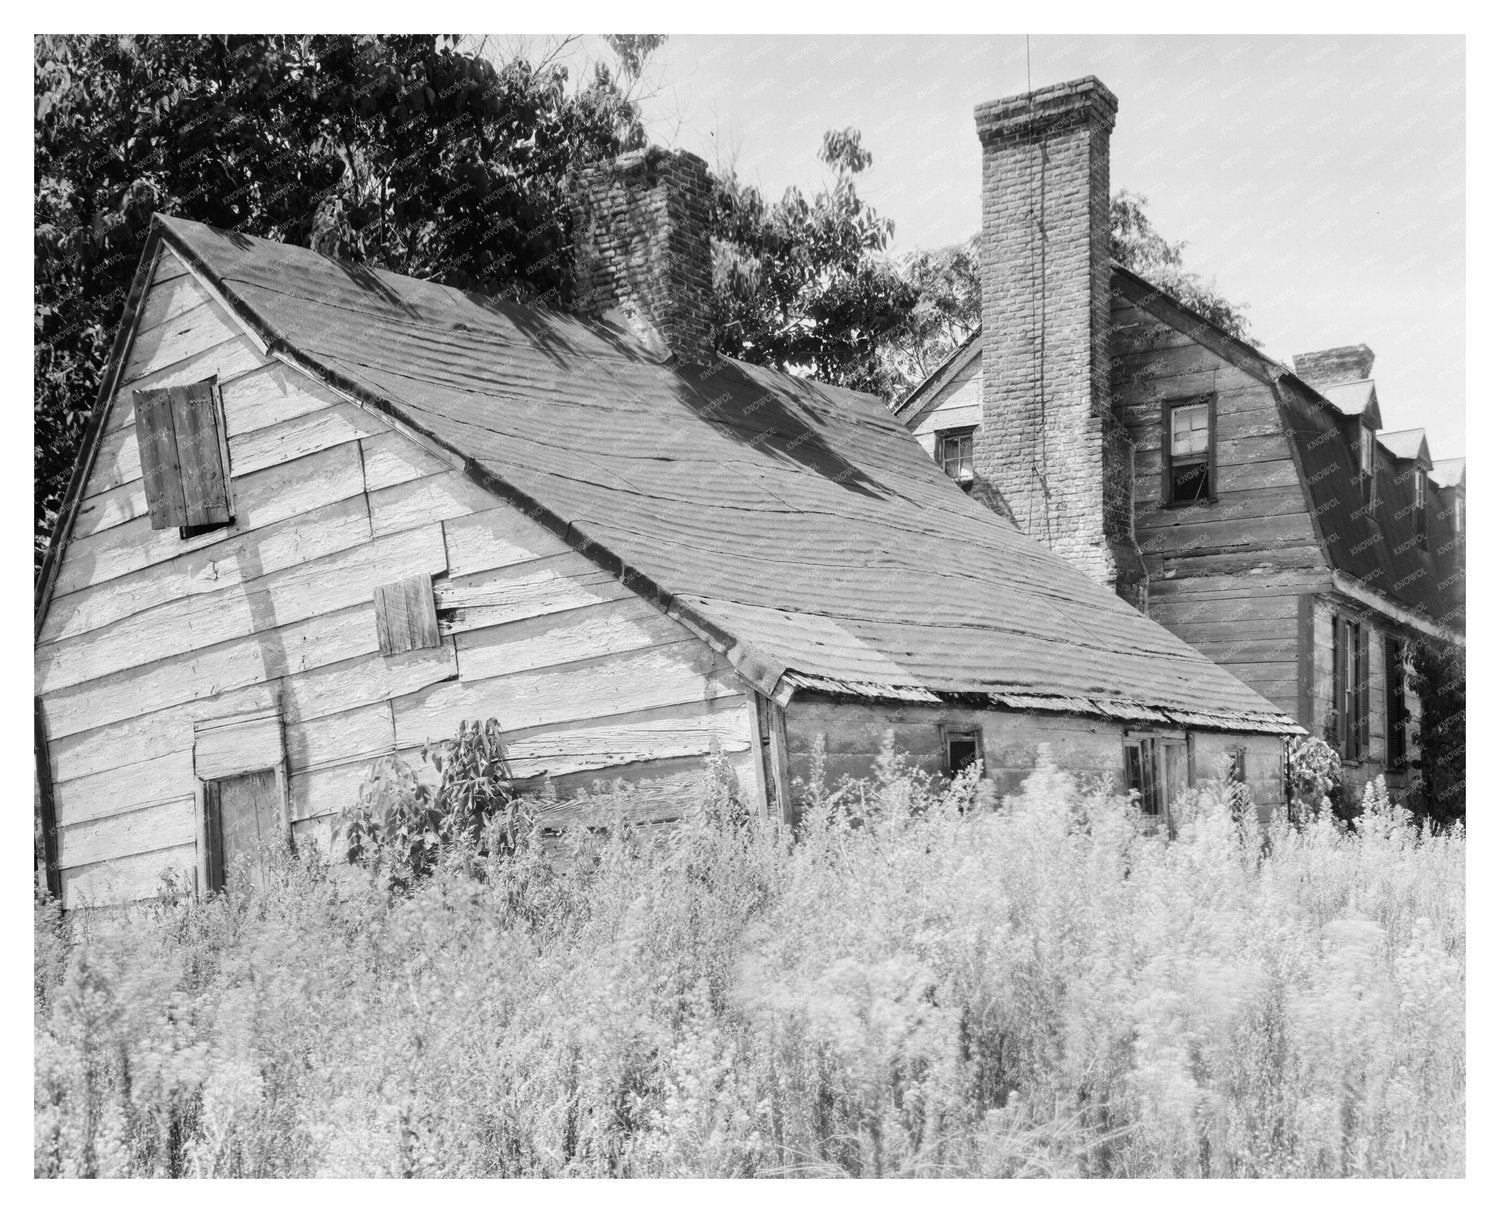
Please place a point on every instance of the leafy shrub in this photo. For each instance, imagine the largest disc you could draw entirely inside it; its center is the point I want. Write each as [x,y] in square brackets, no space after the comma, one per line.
[925,983]
[405,827]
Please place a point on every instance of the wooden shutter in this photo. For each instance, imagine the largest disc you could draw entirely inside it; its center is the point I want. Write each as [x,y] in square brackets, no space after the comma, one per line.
[184,457]
[1362,686]
[1340,688]
[1174,775]
[406,616]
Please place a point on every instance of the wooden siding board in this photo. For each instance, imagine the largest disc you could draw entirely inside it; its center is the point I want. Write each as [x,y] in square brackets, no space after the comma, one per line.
[269,496]
[128,879]
[235,664]
[682,672]
[303,591]
[212,568]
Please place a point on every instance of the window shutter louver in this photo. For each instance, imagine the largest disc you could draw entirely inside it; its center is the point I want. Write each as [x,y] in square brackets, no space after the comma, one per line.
[184,458]
[406,616]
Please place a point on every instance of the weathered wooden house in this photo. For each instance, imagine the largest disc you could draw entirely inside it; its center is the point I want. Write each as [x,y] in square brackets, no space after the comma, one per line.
[1253,509]
[325,512]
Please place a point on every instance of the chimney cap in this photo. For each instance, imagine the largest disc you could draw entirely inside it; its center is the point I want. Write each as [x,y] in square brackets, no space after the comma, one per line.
[1340,364]
[1073,101]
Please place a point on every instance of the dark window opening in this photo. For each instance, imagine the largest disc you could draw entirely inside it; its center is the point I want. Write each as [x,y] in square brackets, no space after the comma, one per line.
[1395,704]
[1188,452]
[955,455]
[962,750]
[1156,768]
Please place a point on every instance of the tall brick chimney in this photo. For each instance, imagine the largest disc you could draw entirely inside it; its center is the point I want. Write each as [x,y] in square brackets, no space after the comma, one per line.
[1050,451]
[641,233]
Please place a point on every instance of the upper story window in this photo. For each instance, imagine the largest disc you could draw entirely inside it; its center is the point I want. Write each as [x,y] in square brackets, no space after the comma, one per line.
[1367,463]
[184,457]
[1458,515]
[1420,493]
[955,454]
[1188,444]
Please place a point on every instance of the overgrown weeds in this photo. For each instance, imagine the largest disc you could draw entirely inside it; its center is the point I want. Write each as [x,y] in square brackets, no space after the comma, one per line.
[925,983]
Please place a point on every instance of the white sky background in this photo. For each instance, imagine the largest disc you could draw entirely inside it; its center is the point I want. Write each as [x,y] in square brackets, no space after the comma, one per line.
[1319,180]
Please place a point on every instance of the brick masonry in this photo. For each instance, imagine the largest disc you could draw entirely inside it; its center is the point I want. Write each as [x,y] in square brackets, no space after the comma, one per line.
[1050,452]
[1343,364]
[641,232]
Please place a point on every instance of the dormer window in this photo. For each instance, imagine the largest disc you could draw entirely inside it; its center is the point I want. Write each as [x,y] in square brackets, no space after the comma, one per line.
[1420,495]
[1367,463]
[955,454]
[1188,447]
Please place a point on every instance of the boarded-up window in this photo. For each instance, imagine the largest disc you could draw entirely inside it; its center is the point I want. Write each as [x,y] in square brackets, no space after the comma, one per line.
[406,616]
[244,825]
[184,456]
[1188,451]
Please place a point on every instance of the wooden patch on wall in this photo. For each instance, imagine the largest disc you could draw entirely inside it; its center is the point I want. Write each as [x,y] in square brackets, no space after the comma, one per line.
[406,615]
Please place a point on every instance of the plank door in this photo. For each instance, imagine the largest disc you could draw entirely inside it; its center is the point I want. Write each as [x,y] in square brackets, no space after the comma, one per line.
[1172,755]
[244,820]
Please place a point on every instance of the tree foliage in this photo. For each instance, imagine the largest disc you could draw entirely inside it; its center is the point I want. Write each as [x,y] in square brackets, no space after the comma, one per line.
[803,284]
[947,304]
[1136,244]
[404,151]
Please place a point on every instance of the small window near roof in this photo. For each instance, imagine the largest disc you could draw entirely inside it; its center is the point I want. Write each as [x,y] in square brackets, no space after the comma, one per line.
[1188,446]
[955,455]
[1458,515]
[1367,464]
[962,748]
[1421,488]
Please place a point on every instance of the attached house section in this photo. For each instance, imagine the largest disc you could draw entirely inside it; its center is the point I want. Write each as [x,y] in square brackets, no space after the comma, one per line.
[201,678]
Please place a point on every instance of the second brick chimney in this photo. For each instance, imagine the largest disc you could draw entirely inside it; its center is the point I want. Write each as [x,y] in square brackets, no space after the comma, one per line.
[641,241]
[1049,450]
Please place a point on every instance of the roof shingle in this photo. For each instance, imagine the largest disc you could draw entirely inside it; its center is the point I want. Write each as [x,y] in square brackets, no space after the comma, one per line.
[797,524]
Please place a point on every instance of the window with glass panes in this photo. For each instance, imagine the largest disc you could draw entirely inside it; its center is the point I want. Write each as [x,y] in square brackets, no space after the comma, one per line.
[1367,463]
[955,454]
[1188,467]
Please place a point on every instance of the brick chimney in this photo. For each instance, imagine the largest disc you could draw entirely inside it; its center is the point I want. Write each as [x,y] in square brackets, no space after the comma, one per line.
[640,226]
[1342,364]
[1050,451]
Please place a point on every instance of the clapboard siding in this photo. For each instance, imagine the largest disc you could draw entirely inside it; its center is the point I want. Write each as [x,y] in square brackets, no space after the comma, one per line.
[149,634]
[959,404]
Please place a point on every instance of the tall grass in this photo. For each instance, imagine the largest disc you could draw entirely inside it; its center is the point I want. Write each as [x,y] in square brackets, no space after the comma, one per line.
[925,984]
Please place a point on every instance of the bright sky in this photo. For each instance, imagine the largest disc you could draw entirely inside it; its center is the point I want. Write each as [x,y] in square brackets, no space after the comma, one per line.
[1320,180]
